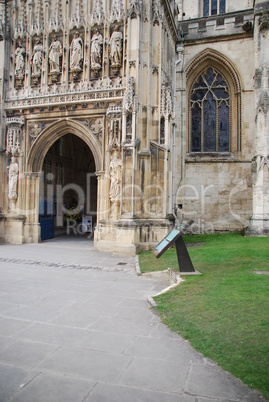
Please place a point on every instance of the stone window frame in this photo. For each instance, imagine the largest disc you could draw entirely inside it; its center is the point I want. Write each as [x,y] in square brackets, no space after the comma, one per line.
[207,7]
[212,58]
[211,88]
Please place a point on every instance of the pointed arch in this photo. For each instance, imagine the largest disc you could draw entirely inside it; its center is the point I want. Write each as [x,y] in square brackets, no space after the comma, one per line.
[210,58]
[55,131]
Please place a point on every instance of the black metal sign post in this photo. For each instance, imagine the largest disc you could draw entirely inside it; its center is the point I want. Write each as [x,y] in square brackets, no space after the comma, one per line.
[183,256]
[176,236]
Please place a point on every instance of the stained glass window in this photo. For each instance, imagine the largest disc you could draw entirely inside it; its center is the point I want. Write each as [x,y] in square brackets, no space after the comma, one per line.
[210,113]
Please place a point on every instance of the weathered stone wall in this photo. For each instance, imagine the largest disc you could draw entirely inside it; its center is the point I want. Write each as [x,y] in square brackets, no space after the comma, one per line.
[194,9]
[215,190]
[217,195]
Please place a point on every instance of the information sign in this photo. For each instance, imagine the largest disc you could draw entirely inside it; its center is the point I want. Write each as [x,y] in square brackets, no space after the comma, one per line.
[176,236]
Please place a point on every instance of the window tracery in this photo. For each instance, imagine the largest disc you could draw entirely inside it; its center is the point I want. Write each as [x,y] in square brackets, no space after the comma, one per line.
[210,113]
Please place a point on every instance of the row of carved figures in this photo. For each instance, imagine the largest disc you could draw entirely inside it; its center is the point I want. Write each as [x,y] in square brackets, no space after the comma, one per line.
[76,56]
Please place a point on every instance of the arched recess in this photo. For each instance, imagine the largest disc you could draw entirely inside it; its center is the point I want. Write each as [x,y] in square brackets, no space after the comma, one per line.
[56,130]
[212,58]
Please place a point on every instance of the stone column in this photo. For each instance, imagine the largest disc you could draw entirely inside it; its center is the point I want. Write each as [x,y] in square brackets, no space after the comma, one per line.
[259,225]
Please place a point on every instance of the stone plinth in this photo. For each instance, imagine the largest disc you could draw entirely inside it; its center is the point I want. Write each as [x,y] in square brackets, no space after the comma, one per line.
[13,228]
[259,226]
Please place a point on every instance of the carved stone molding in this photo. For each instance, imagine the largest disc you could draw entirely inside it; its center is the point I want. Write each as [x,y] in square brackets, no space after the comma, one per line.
[167,107]
[157,12]
[2,20]
[56,19]
[77,19]
[55,95]
[132,63]
[97,14]
[14,135]
[114,128]
[117,11]
[129,95]
[127,151]
[135,9]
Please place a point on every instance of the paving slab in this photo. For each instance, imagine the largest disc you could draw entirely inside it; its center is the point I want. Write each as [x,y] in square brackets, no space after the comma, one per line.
[26,353]
[54,388]
[75,326]
[87,364]
[116,393]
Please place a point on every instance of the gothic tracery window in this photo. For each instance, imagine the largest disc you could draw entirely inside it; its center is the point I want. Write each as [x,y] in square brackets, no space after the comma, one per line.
[210,113]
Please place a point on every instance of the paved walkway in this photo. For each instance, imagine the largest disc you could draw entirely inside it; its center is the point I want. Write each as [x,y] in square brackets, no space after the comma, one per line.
[75,326]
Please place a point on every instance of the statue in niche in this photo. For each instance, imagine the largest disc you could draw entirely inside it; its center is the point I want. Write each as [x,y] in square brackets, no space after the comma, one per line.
[19,64]
[115,177]
[13,179]
[115,44]
[129,129]
[76,55]
[96,50]
[37,60]
[55,52]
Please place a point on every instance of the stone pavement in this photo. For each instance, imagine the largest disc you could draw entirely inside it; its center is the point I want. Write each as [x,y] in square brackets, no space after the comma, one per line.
[75,326]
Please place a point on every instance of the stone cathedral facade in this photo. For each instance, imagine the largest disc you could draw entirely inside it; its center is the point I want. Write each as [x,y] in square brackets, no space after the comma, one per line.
[133,114]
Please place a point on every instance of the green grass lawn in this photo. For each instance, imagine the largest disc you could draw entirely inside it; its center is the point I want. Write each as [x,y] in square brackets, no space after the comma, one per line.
[224,312]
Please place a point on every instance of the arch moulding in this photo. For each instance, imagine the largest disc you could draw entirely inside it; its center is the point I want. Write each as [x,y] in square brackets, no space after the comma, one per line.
[55,131]
[212,57]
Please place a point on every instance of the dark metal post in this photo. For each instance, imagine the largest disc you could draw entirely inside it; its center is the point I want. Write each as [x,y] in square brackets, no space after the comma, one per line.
[184,260]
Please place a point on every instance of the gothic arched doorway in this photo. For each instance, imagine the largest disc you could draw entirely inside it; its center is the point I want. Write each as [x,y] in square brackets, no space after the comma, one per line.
[62,168]
[68,189]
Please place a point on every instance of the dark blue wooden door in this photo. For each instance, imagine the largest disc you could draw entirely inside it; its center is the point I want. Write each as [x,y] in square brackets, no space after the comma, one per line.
[46,218]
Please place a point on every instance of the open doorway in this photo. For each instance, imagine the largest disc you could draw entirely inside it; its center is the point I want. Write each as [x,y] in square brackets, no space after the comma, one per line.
[68,189]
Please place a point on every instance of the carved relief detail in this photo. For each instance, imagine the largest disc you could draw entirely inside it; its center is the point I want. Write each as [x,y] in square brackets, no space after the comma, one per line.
[117,11]
[157,12]
[97,14]
[14,135]
[167,107]
[129,95]
[34,130]
[96,127]
[77,19]
[135,9]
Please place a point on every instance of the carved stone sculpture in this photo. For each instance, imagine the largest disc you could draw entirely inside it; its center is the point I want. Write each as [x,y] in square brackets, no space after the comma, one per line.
[19,64]
[96,51]
[55,52]
[115,44]
[115,169]
[76,55]
[37,61]
[13,179]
